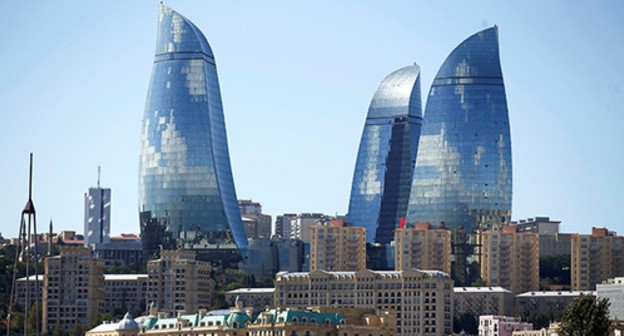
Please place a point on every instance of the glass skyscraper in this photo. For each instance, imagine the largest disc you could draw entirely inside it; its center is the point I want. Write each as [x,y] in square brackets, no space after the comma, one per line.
[462,176]
[186,187]
[385,161]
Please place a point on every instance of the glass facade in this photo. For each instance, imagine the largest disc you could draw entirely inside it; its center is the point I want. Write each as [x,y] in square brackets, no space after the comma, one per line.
[185,178]
[385,161]
[463,172]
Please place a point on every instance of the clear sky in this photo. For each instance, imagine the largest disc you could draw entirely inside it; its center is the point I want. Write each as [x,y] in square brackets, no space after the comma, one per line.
[296,79]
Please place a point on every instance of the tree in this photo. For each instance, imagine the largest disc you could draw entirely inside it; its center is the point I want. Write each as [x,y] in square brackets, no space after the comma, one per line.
[586,316]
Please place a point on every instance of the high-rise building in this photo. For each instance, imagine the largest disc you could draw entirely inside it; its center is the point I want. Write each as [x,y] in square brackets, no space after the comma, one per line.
[595,258]
[385,160]
[462,176]
[301,223]
[282,225]
[478,301]
[97,216]
[510,259]
[422,299]
[73,289]
[177,282]
[185,178]
[552,242]
[422,247]
[337,247]
[256,224]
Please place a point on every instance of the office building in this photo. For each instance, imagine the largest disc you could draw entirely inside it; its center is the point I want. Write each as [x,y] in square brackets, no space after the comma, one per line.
[613,289]
[385,160]
[73,289]
[186,186]
[492,325]
[177,282]
[125,248]
[337,247]
[97,215]
[422,247]
[539,225]
[282,225]
[462,176]
[510,259]
[478,301]
[422,299]
[595,258]
[552,242]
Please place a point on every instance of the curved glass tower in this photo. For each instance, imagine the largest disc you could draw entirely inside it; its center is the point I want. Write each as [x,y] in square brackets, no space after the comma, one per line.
[185,179]
[462,176]
[385,160]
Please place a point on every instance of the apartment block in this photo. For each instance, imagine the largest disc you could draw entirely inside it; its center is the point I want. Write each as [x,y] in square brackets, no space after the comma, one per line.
[422,247]
[613,289]
[127,292]
[479,301]
[423,300]
[73,289]
[177,282]
[337,247]
[491,325]
[595,258]
[510,259]
[301,223]
[544,302]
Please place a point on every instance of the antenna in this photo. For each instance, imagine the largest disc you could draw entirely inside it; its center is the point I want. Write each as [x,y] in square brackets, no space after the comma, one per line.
[99,174]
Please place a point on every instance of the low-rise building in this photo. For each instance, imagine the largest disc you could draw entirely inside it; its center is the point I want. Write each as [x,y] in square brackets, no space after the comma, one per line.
[613,289]
[125,292]
[478,301]
[544,302]
[254,297]
[493,325]
[423,300]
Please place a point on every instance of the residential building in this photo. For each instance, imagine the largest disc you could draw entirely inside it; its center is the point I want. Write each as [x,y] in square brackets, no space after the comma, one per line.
[282,225]
[337,247]
[254,297]
[510,259]
[595,258]
[256,224]
[543,302]
[177,282]
[492,325]
[22,289]
[185,178]
[422,247]
[613,289]
[423,300]
[385,159]
[539,225]
[478,301]
[73,289]
[125,292]
[552,242]
[463,171]
[126,248]
[300,225]
[551,330]
[97,215]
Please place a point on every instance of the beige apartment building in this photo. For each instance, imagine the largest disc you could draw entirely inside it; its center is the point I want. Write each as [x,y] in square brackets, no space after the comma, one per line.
[423,300]
[422,247]
[177,282]
[73,289]
[127,292]
[337,247]
[510,259]
[595,258]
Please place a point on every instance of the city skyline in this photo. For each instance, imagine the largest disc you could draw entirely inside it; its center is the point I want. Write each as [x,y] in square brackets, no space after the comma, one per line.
[296,82]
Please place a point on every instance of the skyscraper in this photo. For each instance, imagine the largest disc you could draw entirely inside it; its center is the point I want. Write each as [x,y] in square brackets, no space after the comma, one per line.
[185,179]
[462,176]
[97,215]
[385,161]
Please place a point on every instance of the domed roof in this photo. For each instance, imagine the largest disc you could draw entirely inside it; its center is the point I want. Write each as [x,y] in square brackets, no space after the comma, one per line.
[127,323]
[239,318]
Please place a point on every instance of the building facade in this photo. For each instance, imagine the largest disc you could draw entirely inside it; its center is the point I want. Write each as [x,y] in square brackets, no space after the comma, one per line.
[385,160]
[545,302]
[185,178]
[125,292]
[177,282]
[337,247]
[282,225]
[73,289]
[462,176]
[595,258]
[491,325]
[423,300]
[478,301]
[257,224]
[510,259]
[301,223]
[422,247]
[253,297]
[613,289]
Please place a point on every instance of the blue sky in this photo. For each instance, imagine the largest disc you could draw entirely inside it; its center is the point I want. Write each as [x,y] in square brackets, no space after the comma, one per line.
[296,80]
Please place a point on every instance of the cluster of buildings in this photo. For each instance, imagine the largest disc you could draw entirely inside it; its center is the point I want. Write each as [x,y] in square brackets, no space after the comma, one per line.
[429,213]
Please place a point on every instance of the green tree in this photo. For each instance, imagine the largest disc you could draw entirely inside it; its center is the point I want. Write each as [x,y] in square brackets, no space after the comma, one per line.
[57,331]
[586,316]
